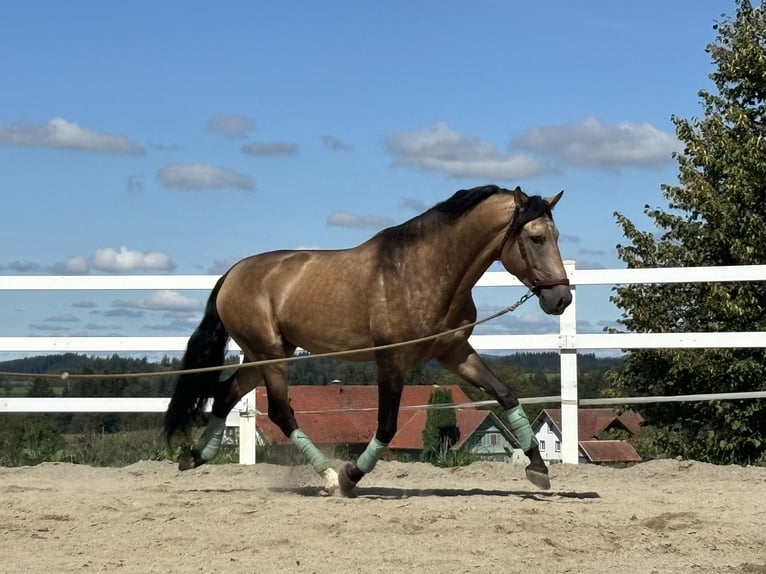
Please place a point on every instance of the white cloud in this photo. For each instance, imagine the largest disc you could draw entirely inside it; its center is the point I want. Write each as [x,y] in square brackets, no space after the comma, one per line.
[202,176]
[23,266]
[232,125]
[162,301]
[62,134]
[441,149]
[344,219]
[62,319]
[181,324]
[594,144]
[515,323]
[335,143]
[75,265]
[48,327]
[111,261]
[270,149]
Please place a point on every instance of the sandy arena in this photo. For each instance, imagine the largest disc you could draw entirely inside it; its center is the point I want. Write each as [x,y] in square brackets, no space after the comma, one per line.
[658,517]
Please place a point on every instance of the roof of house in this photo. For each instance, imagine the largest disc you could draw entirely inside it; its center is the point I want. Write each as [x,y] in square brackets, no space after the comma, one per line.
[592,422]
[343,414]
[609,451]
[409,436]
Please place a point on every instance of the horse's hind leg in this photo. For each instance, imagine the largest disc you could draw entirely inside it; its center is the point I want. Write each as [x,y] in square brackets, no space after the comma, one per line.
[226,395]
[465,362]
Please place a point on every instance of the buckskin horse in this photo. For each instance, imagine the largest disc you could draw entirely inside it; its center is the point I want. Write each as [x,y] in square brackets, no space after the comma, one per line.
[405,283]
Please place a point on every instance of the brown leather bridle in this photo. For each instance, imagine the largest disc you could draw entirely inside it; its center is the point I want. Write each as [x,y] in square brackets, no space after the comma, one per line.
[537,282]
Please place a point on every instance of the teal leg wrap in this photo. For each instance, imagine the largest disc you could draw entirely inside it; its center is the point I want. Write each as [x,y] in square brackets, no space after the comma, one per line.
[520,427]
[371,455]
[212,438]
[316,459]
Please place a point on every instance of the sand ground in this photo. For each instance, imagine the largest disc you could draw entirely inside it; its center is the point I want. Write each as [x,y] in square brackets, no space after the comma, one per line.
[658,517]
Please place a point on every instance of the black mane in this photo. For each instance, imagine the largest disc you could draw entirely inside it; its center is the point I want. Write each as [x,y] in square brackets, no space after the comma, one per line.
[459,204]
[464,200]
[535,208]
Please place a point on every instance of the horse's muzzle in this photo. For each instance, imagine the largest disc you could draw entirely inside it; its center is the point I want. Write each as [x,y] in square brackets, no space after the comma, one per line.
[554,298]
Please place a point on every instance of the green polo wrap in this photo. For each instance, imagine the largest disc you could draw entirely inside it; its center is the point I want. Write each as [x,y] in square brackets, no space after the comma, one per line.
[371,455]
[520,427]
[212,437]
[316,459]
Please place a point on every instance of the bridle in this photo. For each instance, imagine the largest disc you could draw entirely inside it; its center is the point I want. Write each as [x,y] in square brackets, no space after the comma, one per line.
[537,283]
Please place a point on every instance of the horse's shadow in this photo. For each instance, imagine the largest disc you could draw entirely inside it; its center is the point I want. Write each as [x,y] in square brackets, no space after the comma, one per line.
[388,493]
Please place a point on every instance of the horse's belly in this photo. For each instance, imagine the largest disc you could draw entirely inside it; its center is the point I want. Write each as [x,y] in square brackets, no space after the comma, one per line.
[320,332]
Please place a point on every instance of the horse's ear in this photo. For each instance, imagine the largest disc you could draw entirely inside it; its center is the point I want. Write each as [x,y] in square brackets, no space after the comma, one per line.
[519,197]
[554,199]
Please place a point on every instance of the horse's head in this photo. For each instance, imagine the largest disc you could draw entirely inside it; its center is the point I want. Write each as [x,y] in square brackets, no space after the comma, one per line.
[531,252]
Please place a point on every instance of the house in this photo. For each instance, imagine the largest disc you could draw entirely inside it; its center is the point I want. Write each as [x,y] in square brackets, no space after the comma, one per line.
[346,416]
[479,432]
[593,426]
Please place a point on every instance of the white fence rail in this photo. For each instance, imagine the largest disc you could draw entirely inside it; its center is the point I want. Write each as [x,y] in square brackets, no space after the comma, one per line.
[567,341]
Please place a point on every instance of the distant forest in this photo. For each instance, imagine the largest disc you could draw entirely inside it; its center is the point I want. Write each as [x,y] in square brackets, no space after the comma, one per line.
[320,371]
[529,374]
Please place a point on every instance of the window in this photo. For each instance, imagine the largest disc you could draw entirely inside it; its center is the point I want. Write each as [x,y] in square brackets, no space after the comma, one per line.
[557,446]
[542,445]
[493,439]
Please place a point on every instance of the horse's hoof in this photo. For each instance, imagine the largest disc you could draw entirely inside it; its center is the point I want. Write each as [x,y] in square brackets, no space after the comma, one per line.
[331,480]
[190,458]
[347,485]
[538,476]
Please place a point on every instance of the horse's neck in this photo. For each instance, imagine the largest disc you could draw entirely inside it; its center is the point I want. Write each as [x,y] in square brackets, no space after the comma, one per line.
[456,256]
[470,254]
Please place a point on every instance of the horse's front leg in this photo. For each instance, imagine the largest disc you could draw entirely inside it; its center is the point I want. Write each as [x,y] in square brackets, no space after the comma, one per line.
[226,395]
[466,362]
[390,385]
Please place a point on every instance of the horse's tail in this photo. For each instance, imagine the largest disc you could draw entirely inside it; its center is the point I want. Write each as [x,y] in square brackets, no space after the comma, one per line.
[206,348]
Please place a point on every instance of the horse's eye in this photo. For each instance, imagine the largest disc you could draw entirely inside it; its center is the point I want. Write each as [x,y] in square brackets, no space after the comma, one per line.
[537,239]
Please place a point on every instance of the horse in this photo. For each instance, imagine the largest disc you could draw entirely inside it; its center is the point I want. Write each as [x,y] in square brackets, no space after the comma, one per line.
[407,282]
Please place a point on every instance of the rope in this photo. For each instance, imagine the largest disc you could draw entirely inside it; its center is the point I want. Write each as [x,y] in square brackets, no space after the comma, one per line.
[65,375]
[746,395]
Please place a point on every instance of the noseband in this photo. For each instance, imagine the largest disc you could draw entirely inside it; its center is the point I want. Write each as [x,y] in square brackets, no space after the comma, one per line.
[537,283]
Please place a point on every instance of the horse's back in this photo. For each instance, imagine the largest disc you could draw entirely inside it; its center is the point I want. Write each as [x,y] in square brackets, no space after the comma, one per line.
[317,300]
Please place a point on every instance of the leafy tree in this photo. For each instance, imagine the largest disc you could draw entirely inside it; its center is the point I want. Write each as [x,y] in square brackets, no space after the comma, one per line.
[440,431]
[716,216]
[41,388]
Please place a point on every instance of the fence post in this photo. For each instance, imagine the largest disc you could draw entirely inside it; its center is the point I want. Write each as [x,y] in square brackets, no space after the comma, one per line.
[568,356]
[247,432]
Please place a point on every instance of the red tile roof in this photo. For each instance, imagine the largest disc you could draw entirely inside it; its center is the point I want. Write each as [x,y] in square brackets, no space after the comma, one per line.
[410,435]
[592,422]
[609,451]
[319,411]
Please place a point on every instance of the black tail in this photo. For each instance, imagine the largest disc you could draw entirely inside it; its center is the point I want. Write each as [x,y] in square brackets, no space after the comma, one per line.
[206,348]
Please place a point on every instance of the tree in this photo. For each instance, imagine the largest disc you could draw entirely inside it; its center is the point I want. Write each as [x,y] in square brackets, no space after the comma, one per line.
[440,431]
[716,216]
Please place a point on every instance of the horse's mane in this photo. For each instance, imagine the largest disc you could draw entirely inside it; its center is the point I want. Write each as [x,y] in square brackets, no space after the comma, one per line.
[461,203]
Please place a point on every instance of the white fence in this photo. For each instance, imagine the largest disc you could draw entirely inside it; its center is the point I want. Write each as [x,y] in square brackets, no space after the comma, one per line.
[567,341]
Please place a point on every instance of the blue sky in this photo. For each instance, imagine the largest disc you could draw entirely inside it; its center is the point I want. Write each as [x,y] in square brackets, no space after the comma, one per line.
[178,137]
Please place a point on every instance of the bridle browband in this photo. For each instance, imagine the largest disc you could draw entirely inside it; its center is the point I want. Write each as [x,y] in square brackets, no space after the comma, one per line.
[537,283]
